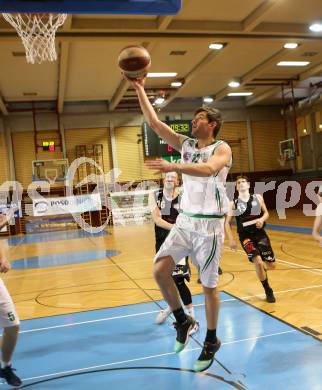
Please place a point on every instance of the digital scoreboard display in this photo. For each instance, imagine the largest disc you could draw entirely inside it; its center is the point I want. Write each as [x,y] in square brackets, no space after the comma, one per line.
[154,146]
[48,146]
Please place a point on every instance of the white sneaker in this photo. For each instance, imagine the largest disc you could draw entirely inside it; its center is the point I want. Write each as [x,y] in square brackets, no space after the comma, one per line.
[162,316]
[194,329]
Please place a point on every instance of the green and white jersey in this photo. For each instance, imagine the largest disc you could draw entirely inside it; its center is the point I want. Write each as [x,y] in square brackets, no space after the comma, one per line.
[203,196]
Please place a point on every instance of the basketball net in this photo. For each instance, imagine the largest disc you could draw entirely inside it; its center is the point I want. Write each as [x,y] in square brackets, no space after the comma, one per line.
[37,32]
[51,175]
[282,160]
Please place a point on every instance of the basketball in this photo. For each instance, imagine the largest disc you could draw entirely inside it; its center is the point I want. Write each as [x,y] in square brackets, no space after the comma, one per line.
[134,61]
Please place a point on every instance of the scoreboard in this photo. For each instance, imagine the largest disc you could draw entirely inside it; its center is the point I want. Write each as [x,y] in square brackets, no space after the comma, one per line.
[154,146]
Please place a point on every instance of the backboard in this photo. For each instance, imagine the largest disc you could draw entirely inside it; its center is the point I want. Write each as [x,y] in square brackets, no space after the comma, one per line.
[50,170]
[287,149]
[135,7]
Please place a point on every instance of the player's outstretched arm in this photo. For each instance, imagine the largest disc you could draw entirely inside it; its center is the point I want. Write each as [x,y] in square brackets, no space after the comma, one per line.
[229,233]
[161,128]
[220,158]
[260,221]
[156,214]
[4,263]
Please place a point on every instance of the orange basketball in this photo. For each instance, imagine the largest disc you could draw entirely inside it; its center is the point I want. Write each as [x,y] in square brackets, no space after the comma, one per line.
[134,61]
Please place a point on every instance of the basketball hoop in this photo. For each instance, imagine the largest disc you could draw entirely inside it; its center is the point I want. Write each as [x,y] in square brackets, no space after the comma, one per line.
[51,175]
[37,32]
[282,160]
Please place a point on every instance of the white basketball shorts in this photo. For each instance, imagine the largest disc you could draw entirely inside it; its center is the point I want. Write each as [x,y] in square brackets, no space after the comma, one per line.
[8,314]
[201,239]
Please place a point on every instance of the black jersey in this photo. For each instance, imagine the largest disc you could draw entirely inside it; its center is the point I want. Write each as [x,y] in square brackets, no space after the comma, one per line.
[169,211]
[246,213]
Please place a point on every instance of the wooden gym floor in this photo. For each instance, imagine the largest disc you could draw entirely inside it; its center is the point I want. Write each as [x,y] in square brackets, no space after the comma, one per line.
[98,280]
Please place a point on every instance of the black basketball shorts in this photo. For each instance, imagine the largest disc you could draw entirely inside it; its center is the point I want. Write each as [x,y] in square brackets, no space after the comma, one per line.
[258,244]
[182,271]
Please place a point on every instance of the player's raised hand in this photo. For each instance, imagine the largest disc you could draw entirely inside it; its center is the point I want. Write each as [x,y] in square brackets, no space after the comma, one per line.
[259,223]
[136,83]
[160,165]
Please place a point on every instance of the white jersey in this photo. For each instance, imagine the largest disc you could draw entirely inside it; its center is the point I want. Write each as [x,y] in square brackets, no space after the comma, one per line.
[204,196]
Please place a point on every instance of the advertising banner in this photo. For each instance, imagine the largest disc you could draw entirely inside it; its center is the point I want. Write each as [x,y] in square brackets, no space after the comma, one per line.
[66,205]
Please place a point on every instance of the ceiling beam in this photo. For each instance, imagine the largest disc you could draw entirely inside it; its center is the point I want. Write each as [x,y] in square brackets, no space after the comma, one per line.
[170,35]
[192,74]
[62,77]
[118,94]
[252,74]
[3,107]
[163,22]
[291,29]
[63,66]
[93,26]
[257,16]
[67,26]
[313,71]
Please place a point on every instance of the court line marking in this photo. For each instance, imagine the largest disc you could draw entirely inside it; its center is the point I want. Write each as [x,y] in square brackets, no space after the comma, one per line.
[315,271]
[248,297]
[151,356]
[69,269]
[83,268]
[151,312]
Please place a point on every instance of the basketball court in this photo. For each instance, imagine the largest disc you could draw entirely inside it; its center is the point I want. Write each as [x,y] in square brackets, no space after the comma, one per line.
[73,144]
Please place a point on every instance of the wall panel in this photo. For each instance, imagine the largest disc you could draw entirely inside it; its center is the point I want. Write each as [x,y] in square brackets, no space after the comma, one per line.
[130,155]
[266,136]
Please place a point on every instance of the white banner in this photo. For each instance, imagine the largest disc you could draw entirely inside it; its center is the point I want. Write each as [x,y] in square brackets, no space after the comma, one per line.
[66,205]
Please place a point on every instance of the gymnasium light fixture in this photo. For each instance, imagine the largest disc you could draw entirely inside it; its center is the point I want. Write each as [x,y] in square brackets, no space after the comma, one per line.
[208,99]
[235,83]
[293,63]
[176,84]
[316,27]
[216,46]
[291,45]
[159,100]
[162,74]
[240,94]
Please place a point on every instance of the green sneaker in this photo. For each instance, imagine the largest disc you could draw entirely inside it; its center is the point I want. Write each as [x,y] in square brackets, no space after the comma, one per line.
[207,356]
[183,331]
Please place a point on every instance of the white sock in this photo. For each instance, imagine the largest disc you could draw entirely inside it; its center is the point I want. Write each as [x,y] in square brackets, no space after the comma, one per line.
[5,364]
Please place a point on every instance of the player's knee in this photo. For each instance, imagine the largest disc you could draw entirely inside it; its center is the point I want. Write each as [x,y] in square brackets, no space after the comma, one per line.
[157,271]
[211,292]
[257,261]
[11,330]
[271,266]
[162,268]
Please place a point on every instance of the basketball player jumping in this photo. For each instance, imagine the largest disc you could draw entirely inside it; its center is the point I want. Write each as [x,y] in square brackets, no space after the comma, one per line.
[165,206]
[251,213]
[199,229]
[9,320]
[318,220]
